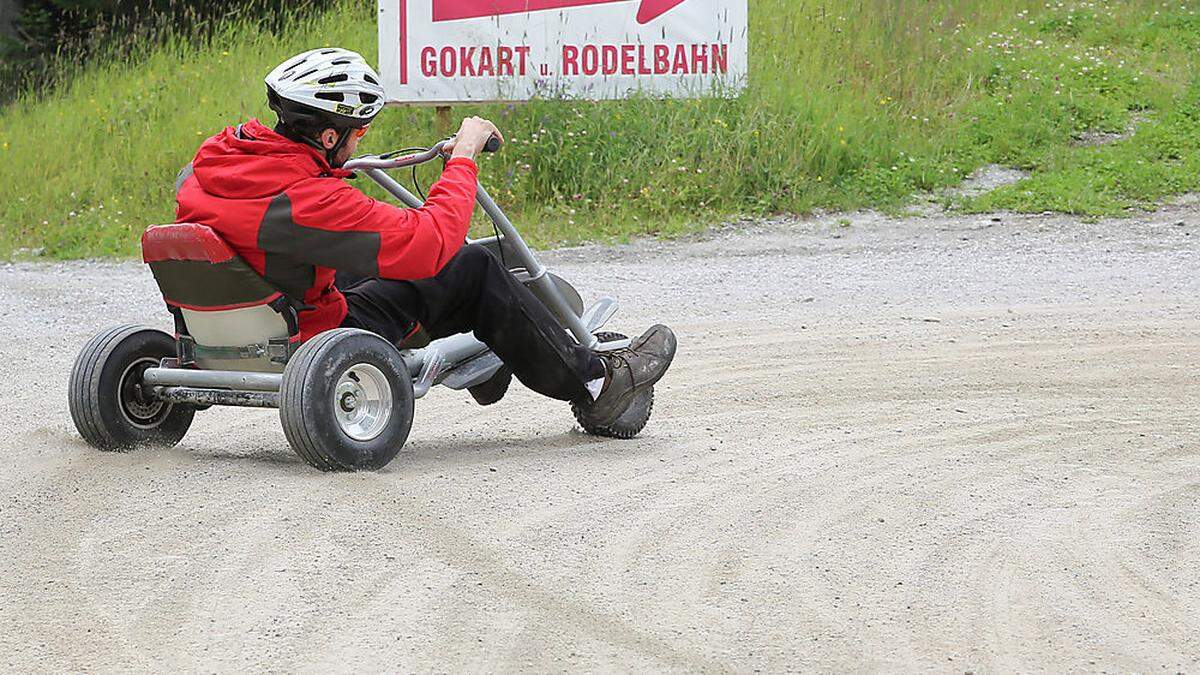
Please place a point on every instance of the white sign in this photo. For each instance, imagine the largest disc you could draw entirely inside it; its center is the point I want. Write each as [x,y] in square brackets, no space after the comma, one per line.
[449,51]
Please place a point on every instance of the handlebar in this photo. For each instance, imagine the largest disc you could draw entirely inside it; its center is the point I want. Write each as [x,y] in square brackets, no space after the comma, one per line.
[391,161]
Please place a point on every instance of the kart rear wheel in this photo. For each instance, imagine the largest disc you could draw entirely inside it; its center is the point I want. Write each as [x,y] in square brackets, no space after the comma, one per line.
[346,403]
[632,421]
[108,404]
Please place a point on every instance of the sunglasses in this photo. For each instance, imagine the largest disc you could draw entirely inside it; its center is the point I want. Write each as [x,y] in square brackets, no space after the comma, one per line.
[361,131]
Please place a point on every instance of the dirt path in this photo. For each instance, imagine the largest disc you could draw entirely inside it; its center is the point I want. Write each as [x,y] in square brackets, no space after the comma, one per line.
[941,444]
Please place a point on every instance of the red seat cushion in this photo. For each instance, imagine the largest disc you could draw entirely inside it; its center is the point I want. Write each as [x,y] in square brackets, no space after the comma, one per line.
[195,269]
[184,241]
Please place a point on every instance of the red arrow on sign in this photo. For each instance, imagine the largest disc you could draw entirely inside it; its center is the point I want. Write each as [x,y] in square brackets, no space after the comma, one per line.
[652,9]
[450,10]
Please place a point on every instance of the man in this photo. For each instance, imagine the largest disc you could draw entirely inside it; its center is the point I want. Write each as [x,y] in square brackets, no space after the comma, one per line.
[281,200]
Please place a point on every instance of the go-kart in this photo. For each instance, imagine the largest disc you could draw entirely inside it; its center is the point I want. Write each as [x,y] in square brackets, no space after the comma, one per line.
[346,396]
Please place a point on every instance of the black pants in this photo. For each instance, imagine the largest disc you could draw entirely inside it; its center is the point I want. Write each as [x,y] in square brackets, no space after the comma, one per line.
[474,292]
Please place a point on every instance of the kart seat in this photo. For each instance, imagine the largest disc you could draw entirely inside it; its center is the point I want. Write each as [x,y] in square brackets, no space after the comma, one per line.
[227,317]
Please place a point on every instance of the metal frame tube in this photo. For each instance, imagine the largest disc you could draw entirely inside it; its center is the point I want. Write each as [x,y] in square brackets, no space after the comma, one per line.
[487,241]
[429,365]
[213,379]
[458,348]
[394,188]
[543,284]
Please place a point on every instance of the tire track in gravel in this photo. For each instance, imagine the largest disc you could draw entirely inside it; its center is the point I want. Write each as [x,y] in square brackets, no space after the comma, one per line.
[933,445]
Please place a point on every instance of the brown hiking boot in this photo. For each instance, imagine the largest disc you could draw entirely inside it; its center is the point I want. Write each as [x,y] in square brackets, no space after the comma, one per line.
[631,370]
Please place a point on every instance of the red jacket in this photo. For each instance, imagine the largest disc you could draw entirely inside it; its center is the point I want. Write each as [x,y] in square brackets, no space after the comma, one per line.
[295,219]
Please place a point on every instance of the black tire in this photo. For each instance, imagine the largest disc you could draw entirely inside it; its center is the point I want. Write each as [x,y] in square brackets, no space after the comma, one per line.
[632,421]
[107,403]
[312,410]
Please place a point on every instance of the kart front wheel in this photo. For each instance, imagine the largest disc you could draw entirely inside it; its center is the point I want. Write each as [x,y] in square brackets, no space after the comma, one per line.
[346,403]
[632,421]
[110,407]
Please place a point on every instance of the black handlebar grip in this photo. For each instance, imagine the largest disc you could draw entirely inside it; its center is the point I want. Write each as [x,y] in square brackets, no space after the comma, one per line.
[493,144]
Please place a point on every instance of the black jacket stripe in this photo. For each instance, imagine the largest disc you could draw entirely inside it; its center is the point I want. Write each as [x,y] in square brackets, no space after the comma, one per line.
[293,250]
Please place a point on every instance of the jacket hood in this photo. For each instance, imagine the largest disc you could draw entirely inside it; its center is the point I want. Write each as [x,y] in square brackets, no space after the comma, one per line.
[251,161]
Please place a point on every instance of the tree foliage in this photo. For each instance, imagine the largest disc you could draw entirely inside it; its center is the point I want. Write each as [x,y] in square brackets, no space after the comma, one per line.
[55,30]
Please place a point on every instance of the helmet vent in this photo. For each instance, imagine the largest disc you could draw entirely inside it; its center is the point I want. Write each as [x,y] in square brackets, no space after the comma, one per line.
[296,63]
[325,88]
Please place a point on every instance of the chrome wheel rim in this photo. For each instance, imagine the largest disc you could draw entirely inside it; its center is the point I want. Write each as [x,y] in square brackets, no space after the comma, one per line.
[362,402]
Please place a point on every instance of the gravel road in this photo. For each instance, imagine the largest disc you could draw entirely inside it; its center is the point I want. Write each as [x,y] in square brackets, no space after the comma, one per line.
[945,443]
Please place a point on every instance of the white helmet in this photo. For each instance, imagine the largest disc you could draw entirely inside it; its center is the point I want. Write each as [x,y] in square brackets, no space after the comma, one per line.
[325,88]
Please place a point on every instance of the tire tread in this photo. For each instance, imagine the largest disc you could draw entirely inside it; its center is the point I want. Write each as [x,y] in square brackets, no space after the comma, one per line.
[85,386]
[303,433]
[83,390]
[295,429]
[623,432]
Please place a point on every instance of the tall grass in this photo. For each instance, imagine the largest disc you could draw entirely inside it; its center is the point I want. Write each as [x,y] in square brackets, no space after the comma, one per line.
[851,103]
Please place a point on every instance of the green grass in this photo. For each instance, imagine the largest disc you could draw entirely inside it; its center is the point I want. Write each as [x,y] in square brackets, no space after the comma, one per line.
[851,104]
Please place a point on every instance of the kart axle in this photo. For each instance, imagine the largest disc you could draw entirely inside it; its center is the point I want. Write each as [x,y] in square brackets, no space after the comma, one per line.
[207,397]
